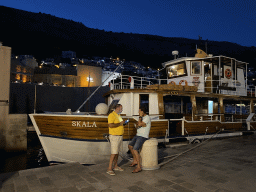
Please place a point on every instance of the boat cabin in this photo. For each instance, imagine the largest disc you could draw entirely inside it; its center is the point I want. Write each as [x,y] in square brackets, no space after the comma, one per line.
[210,74]
[203,89]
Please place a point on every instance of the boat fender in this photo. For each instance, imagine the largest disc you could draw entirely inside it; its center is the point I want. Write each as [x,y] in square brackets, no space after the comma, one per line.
[183,81]
[69,112]
[228,73]
[172,82]
[196,141]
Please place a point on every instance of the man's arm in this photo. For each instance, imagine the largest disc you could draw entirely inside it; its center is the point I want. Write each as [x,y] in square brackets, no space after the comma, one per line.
[111,120]
[141,123]
[115,125]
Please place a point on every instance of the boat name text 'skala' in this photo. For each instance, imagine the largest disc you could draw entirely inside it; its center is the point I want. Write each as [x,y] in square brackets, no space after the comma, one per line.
[83,124]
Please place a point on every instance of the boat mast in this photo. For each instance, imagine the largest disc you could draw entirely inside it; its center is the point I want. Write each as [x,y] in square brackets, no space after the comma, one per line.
[77,111]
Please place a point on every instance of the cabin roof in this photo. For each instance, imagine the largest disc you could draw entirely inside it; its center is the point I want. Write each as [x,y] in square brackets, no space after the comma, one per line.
[213,59]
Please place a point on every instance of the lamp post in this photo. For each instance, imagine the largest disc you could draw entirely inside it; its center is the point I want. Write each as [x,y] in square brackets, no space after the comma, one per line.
[158,70]
[158,76]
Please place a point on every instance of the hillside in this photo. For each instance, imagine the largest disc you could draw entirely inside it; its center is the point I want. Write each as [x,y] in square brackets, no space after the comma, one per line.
[44,36]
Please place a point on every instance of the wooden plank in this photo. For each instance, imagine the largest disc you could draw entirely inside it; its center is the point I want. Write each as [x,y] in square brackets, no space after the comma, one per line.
[236,126]
[69,118]
[56,126]
[161,105]
[200,127]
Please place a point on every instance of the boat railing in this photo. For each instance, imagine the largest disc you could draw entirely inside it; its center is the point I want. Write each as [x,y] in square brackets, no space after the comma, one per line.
[207,117]
[231,87]
[251,91]
[235,118]
[131,82]
[217,117]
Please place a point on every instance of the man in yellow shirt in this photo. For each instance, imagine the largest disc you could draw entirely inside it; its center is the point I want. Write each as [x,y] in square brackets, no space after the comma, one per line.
[116,131]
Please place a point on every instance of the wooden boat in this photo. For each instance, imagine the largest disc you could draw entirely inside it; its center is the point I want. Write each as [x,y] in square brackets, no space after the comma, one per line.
[81,138]
[201,96]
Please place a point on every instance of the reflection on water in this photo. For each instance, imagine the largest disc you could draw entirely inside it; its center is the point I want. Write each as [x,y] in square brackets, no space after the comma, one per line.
[34,156]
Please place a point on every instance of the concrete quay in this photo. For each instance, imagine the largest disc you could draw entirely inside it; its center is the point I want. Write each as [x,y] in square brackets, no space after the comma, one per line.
[219,165]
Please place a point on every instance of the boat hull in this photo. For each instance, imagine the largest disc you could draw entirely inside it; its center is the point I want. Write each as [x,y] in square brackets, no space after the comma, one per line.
[81,138]
[63,150]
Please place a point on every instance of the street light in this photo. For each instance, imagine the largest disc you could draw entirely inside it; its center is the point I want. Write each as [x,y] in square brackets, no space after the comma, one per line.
[158,74]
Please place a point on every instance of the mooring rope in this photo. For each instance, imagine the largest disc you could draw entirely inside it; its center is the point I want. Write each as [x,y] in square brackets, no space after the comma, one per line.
[179,154]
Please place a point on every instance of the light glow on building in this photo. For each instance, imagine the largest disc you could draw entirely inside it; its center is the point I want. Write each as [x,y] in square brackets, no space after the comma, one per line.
[90,79]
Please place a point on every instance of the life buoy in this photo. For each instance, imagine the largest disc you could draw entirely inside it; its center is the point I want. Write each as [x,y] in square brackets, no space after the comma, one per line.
[228,73]
[172,82]
[183,81]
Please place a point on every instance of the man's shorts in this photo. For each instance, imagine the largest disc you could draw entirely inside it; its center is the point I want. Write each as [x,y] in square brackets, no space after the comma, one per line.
[115,142]
[137,142]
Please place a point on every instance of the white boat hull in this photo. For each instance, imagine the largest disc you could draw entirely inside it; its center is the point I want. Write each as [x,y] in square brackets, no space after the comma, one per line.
[59,150]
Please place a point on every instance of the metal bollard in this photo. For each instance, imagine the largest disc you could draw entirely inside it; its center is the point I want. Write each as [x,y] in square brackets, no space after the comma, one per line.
[149,155]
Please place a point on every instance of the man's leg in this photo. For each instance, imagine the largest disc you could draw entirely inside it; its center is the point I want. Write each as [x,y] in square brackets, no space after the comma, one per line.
[137,146]
[115,161]
[120,140]
[137,155]
[134,162]
[113,145]
[112,157]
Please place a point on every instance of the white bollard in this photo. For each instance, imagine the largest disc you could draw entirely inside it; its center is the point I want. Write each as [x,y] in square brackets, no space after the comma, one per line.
[149,155]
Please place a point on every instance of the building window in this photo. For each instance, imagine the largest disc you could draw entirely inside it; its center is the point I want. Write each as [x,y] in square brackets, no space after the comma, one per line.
[17,77]
[18,68]
[24,78]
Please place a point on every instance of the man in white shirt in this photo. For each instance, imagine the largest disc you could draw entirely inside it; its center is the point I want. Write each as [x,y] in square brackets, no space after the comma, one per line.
[143,129]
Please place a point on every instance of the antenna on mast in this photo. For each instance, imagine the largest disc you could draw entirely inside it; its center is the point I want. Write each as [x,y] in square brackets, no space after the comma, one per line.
[175,53]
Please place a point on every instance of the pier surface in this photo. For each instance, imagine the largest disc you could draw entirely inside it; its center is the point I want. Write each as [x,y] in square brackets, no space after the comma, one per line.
[220,165]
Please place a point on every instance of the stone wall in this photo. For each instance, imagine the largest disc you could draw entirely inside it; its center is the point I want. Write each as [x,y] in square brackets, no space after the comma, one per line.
[4,109]
[16,133]
[13,127]
[5,65]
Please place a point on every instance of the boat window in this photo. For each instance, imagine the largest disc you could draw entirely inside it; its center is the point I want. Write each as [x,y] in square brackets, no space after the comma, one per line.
[195,67]
[177,70]
[144,101]
[215,70]
[210,106]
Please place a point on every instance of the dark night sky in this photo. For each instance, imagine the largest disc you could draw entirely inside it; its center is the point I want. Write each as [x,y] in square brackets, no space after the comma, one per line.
[226,20]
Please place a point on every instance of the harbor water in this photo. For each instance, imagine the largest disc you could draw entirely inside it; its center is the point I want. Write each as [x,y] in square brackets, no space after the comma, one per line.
[32,158]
